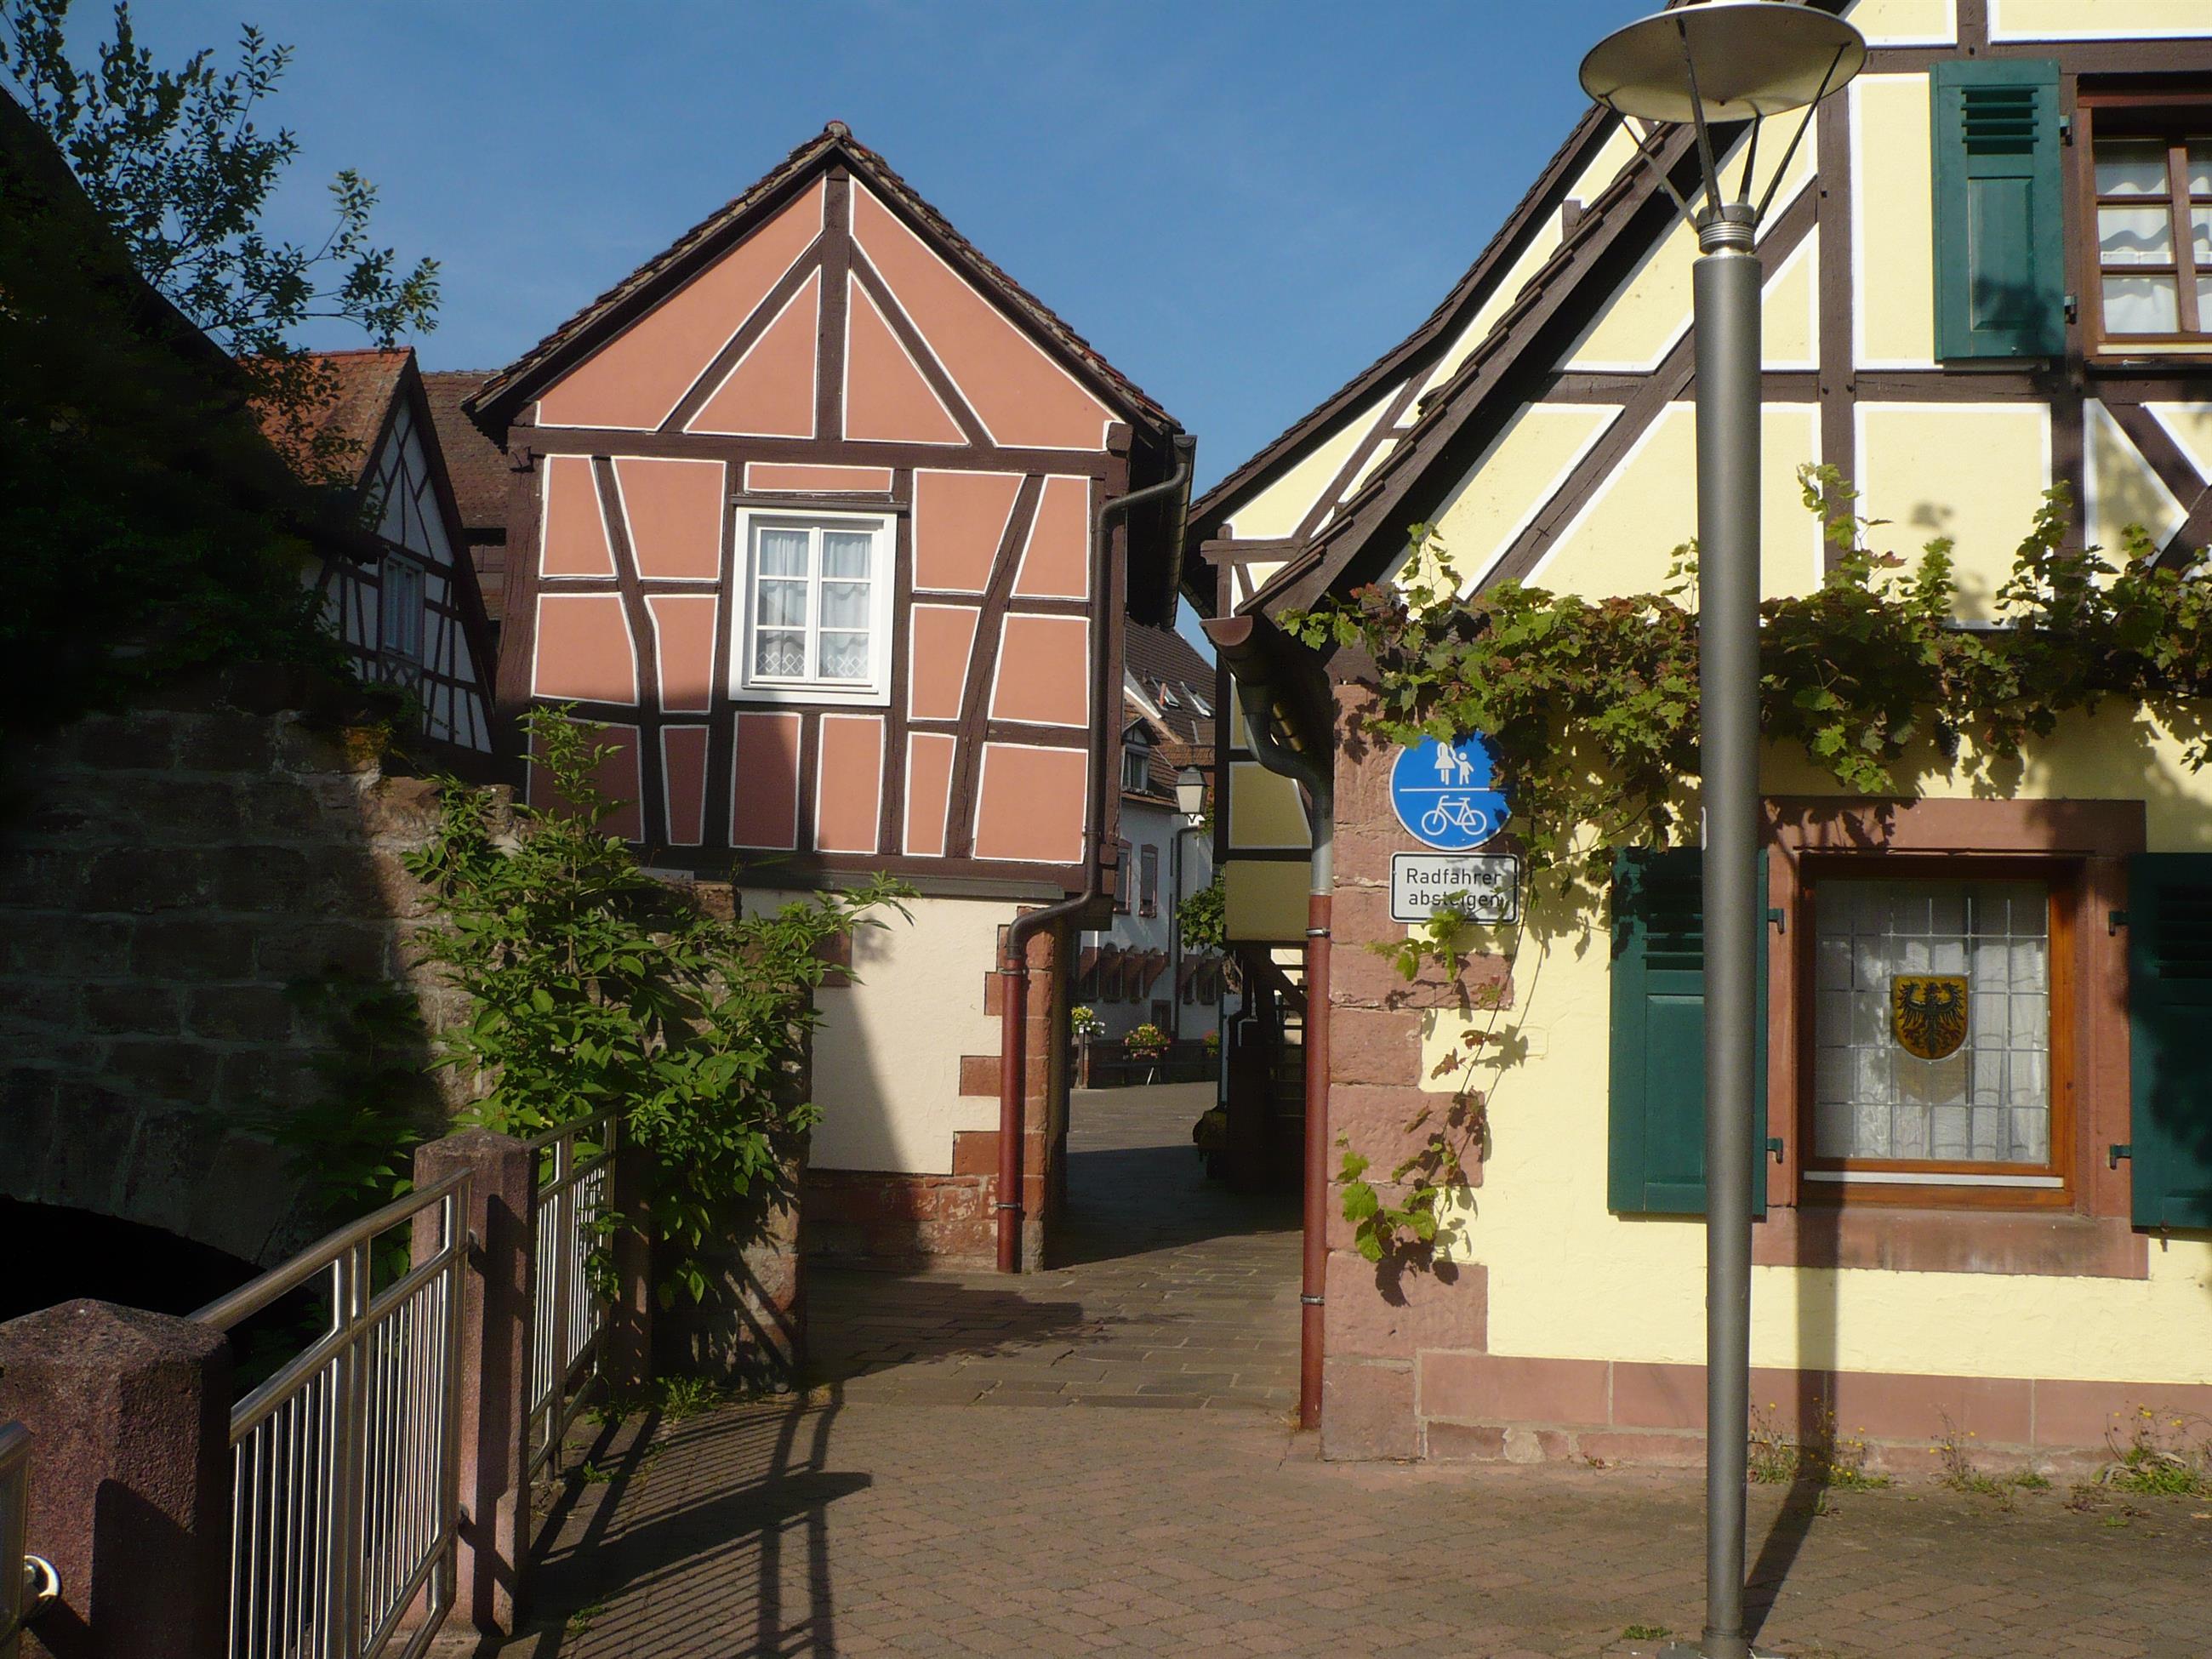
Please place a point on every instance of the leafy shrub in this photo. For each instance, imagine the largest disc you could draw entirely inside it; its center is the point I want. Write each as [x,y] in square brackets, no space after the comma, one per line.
[595,987]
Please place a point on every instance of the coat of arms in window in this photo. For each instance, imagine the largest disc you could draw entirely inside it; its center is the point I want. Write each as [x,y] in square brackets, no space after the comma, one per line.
[1928,1013]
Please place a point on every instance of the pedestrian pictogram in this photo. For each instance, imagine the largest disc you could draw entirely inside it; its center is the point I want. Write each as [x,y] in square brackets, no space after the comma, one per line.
[1443,793]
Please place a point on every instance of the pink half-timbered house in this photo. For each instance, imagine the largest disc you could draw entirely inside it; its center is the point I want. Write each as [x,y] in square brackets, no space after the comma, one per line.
[836,528]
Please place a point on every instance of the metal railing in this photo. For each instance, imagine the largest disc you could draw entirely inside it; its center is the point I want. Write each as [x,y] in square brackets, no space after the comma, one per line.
[345,1500]
[27,1584]
[568,1302]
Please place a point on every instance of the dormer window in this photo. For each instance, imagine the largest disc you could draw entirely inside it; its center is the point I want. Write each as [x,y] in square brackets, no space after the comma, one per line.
[1136,769]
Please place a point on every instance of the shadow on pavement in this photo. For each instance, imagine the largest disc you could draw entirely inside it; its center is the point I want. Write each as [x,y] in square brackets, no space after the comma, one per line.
[723,1550]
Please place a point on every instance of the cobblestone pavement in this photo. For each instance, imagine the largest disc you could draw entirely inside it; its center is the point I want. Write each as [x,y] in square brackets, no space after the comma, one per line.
[1166,1291]
[883,1514]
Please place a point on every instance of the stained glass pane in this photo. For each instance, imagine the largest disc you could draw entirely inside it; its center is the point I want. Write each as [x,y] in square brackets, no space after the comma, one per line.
[2141,305]
[783,551]
[1922,1078]
[844,656]
[780,653]
[2135,236]
[845,553]
[2131,166]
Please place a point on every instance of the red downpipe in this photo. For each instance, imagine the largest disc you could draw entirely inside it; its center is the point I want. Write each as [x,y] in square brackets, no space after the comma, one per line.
[1314,1276]
[1013,957]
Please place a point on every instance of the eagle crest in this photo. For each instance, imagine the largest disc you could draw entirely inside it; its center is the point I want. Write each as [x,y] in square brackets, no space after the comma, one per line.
[1928,1013]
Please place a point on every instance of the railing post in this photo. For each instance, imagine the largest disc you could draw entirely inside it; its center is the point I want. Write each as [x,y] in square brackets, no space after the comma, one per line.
[493,1569]
[628,1364]
[131,1497]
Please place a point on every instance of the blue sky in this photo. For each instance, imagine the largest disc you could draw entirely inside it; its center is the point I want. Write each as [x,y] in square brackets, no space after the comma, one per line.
[1239,203]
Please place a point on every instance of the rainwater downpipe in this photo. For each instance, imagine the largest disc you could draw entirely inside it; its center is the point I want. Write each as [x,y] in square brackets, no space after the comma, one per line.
[1013,957]
[1317,774]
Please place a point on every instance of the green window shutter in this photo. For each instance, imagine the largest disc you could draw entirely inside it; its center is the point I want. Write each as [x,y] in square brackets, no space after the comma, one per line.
[1656,1156]
[2169,1011]
[2000,228]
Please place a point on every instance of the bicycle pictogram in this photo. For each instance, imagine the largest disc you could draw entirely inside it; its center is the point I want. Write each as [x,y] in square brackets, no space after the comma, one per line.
[1458,813]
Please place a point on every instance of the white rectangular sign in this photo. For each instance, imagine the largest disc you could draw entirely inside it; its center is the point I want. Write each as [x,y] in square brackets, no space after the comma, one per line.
[1485,887]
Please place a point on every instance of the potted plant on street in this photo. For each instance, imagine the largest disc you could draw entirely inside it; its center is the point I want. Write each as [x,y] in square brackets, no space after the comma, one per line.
[1083,1025]
[1146,1044]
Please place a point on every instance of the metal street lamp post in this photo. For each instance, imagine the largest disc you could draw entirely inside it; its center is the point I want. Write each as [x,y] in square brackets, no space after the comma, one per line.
[1721,62]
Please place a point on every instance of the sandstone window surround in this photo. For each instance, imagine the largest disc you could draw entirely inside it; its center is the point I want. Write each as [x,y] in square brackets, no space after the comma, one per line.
[2065,1212]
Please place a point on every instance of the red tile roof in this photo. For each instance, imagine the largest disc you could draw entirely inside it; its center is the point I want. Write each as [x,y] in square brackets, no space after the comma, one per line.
[477,466]
[360,385]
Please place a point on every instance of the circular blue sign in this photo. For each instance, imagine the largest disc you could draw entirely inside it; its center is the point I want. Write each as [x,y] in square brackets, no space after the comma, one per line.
[1441,794]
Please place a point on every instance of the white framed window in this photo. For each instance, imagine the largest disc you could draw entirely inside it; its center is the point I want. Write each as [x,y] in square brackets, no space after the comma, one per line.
[1136,769]
[400,609]
[817,608]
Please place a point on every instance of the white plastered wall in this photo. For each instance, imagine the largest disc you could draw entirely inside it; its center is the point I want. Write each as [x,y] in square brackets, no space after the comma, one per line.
[887,1052]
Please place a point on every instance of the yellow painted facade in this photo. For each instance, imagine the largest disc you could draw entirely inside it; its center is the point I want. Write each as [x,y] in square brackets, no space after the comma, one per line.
[1279,510]
[1541,1224]
[1974,472]
[1906,22]
[2189,426]
[1264,901]
[2120,487]
[2096,20]
[1520,471]
[1892,207]
[1651,311]
[1624,538]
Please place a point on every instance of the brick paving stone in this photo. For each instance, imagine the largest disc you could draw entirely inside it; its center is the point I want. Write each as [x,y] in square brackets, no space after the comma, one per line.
[876,1516]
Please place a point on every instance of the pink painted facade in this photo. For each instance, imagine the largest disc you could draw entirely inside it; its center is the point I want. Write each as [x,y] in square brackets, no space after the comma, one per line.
[826,377]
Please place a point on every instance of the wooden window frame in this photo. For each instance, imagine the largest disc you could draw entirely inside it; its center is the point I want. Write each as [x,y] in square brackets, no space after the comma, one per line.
[2062,878]
[401,650]
[2092,1235]
[2144,114]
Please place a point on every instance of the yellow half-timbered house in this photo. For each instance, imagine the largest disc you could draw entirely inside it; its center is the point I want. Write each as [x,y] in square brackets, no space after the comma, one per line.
[1988,271]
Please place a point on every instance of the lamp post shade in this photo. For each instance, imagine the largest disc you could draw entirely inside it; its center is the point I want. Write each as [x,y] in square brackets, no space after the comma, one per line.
[1729,60]
[1190,792]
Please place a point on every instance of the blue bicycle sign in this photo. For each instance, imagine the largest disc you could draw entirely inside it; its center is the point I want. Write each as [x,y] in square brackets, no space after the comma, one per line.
[1441,794]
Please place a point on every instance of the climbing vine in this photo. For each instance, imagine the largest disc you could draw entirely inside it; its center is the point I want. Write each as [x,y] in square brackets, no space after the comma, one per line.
[1591,709]
[1591,705]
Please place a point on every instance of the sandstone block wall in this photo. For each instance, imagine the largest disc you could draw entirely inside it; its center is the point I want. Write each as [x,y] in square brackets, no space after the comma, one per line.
[168,877]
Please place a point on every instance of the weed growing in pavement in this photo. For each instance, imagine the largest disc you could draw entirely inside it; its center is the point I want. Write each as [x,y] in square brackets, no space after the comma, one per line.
[672,1399]
[2160,1459]
[581,1619]
[1646,1633]
[1962,1473]
[1831,1459]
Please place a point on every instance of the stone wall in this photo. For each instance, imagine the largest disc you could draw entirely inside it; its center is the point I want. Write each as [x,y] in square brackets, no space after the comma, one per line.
[169,877]
[1386,1325]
